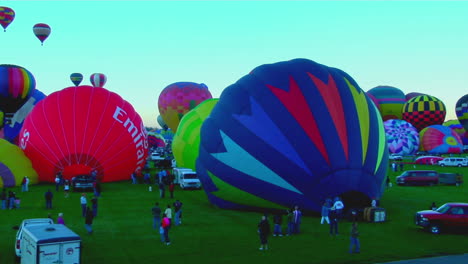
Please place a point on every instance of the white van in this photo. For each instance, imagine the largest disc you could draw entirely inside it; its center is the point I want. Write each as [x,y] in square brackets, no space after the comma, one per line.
[49,244]
[454,162]
[25,223]
[186,178]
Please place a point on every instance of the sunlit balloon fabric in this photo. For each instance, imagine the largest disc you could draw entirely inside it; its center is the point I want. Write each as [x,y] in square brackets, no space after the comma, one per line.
[179,98]
[187,138]
[16,86]
[98,79]
[423,111]
[42,31]
[7,15]
[14,165]
[390,99]
[438,139]
[76,78]
[84,128]
[12,129]
[292,133]
[402,137]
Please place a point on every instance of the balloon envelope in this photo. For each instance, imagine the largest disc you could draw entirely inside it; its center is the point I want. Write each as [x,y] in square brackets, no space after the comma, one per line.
[80,129]
[14,165]
[156,140]
[402,137]
[438,139]
[292,133]
[187,138]
[179,98]
[7,15]
[42,31]
[98,79]
[76,78]
[461,109]
[390,99]
[16,86]
[161,122]
[423,111]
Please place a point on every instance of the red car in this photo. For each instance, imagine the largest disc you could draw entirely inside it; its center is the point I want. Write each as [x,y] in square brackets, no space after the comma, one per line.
[428,160]
[449,215]
[418,177]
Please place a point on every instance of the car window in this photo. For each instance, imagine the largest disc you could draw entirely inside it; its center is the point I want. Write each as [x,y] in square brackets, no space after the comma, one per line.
[444,208]
[456,211]
[465,210]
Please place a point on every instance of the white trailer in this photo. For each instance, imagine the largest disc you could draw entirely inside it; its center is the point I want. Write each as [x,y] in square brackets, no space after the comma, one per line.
[186,178]
[49,244]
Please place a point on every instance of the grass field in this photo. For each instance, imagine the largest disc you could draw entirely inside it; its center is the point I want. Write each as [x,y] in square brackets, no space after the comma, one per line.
[123,229]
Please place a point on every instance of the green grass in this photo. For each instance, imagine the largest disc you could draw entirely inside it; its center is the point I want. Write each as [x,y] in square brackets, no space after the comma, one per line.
[123,230]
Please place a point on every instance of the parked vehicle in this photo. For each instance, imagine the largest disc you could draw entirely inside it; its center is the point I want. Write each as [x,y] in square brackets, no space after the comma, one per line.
[395,157]
[82,183]
[459,162]
[50,244]
[28,222]
[449,215]
[186,178]
[428,160]
[156,156]
[451,178]
[418,177]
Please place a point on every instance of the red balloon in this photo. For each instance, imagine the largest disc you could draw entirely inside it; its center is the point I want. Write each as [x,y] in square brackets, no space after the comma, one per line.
[84,128]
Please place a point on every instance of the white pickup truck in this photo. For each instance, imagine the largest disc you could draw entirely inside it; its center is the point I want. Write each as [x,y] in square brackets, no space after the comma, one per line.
[186,178]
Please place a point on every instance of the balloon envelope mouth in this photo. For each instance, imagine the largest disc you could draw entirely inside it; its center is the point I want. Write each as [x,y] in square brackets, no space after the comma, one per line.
[75,170]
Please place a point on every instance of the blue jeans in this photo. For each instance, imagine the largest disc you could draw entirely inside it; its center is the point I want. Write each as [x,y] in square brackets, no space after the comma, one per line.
[290,228]
[48,204]
[89,228]
[277,230]
[296,228]
[333,226]
[156,222]
[4,204]
[354,246]
[166,234]
[177,217]
[83,210]
[94,211]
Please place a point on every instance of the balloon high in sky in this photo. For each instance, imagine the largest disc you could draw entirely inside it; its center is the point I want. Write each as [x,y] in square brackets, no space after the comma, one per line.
[42,31]
[7,15]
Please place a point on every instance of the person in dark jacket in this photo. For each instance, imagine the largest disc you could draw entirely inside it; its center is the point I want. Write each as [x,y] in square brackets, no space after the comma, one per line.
[333,222]
[89,220]
[277,220]
[264,231]
[48,198]
[354,246]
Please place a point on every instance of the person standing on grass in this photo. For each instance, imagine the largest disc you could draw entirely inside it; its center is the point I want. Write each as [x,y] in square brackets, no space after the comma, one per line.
[325,212]
[89,220]
[168,213]
[3,198]
[289,216]
[57,180]
[156,215]
[339,206]
[161,189]
[27,184]
[171,189]
[83,203]
[297,215]
[66,188]
[60,219]
[333,222]
[94,205]
[166,223]
[277,220]
[354,246]
[23,184]
[264,231]
[178,212]
[48,198]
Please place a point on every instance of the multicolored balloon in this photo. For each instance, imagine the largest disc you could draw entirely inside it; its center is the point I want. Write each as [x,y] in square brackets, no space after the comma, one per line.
[156,140]
[81,129]
[7,15]
[42,32]
[438,139]
[390,99]
[187,138]
[12,129]
[292,133]
[374,100]
[423,111]
[162,123]
[14,166]
[402,137]
[76,78]
[409,96]
[461,109]
[98,79]
[16,86]
[179,98]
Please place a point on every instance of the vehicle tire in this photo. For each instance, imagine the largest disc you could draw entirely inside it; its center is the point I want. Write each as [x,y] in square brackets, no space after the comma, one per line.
[434,229]
[459,165]
[442,165]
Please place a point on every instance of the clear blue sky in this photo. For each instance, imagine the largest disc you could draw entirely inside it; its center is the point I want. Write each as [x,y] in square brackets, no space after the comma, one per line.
[144,46]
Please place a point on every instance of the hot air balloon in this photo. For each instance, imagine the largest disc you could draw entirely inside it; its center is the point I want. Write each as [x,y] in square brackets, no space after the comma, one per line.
[14,165]
[438,139]
[7,15]
[461,109]
[12,129]
[390,99]
[187,138]
[423,111]
[179,98]
[402,137]
[98,79]
[409,96]
[42,32]
[2,117]
[76,78]
[16,86]
[292,133]
[374,100]
[156,140]
[162,123]
[81,129]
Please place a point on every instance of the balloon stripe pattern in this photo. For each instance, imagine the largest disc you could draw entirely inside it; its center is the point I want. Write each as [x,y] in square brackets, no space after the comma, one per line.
[98,79]
[76,78]
[42,31]
[7,15]
[291,133]
[423,111]
[390,101]
[16,86]
[80,129]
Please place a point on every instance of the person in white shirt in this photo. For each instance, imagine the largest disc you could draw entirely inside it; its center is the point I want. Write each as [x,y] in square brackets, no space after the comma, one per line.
[84,203]
[338,206]
[168,213]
